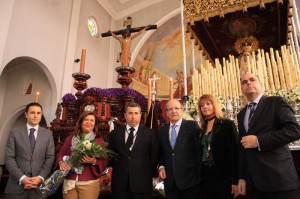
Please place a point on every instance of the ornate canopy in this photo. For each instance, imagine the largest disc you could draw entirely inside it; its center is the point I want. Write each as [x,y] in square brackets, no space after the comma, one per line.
[218,24]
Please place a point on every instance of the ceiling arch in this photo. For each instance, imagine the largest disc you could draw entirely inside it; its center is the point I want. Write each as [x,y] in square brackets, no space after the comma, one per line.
[119,9]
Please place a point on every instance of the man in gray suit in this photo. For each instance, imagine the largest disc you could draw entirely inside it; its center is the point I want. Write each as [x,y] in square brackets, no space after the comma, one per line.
[29,156]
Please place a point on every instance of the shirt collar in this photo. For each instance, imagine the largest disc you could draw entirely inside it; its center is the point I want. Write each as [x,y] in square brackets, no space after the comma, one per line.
[135,128]
[256,100]
[29,127]
[177,123]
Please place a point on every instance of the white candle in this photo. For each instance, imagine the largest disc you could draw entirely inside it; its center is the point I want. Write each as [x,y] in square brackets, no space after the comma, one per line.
[171,88]
[37,96]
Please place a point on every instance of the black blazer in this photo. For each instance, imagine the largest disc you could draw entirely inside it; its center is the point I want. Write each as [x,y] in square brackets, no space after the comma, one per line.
[136,167]
[183,164]
[224,146]
[272,168]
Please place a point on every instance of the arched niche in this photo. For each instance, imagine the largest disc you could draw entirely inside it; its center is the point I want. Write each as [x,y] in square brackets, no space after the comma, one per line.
[15,81]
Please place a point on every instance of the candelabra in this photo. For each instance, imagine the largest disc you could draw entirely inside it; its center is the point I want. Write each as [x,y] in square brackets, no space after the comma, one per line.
[80,82]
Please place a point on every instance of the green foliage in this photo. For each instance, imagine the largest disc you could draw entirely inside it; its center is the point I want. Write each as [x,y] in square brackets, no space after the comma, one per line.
[90,148]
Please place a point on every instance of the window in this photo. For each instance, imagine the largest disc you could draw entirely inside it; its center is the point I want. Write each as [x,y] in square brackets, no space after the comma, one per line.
[93,27]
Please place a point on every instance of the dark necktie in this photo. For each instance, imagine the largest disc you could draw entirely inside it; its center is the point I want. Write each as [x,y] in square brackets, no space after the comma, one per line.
[32,138]
[129,141]
[173,136]
[252,110]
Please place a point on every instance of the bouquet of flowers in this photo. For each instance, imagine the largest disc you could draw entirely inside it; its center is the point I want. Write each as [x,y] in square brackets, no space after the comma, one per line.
[193,107]
[83,147]
[293,94]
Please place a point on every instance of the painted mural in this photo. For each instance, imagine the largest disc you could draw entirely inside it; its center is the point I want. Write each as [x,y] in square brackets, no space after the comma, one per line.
[162,55]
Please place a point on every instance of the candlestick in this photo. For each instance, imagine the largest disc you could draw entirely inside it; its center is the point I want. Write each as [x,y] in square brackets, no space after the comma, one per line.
[82,60]
[37,96]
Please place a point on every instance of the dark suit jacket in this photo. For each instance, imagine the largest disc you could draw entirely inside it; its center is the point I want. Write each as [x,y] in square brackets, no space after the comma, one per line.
[136,167]
[183,164]
[224,146]
[272,168]
[19,160]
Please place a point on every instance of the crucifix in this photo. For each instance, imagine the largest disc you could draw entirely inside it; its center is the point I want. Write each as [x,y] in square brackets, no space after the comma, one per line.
[125,71]
[126,38]
[153,80]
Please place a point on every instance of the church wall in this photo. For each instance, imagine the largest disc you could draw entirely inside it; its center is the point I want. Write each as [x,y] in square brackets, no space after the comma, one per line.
[39,29]
[97,49]
[45,32]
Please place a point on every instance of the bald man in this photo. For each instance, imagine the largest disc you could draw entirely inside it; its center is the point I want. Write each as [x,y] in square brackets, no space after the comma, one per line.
[180,163]
[266,126]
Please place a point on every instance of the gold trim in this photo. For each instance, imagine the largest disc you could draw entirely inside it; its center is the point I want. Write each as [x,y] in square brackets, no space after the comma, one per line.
[196,10]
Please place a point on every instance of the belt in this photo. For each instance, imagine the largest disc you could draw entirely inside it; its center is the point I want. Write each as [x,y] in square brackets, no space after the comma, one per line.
[209,163]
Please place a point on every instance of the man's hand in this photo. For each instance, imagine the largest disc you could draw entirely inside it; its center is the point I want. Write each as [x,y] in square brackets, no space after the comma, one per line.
[31,183]
[35,181]
[242,186]
[249,141]
[26,182]
[162,173]
[234,190]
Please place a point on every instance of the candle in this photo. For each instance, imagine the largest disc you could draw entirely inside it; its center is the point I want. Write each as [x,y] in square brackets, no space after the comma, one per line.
[171,88]
[265,70]
[37,96]
[149,94]
[280,70]
[270,73]
[82,60]
[193,86]
[274,69]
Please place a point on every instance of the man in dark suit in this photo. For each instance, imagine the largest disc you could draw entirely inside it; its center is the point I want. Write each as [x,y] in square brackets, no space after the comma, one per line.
[137,156]
[29,156]
[266,126]
[180,163]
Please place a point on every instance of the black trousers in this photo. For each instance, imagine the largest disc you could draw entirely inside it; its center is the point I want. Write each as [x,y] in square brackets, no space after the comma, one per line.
[130,195]
[291,194]
[215,185]
[191,193]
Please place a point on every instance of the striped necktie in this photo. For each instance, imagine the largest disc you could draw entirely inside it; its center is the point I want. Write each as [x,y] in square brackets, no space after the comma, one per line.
[252,110]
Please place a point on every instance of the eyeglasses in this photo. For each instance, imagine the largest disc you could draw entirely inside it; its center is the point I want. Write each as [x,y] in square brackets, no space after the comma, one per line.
[173,109]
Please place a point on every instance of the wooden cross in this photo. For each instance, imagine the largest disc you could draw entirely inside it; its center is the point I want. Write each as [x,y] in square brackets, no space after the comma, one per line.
[128,28]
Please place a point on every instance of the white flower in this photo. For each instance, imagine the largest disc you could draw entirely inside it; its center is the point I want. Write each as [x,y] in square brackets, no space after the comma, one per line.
[87,144]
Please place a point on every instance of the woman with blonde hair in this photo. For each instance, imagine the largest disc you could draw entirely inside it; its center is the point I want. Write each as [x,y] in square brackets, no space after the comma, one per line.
[219,151]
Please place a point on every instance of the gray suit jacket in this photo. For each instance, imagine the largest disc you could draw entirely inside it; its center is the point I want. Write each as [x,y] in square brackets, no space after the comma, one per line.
[19,160]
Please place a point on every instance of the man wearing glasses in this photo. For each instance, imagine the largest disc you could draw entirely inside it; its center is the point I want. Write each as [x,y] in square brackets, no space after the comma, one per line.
[180,158]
